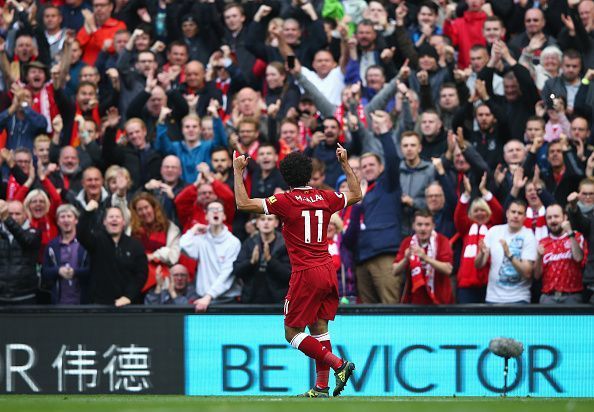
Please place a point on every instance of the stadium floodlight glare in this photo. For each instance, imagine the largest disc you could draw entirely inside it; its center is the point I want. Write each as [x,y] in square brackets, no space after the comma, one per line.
[506,348]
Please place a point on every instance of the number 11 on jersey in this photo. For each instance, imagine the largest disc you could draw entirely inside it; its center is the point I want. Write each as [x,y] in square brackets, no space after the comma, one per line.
[306,215]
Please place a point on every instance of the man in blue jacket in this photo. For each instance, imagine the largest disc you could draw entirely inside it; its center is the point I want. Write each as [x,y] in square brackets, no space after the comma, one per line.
[379,219]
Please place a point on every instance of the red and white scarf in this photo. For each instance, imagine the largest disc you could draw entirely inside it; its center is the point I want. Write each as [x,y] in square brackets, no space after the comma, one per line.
[468,275]
[75,136]
[423,274]
[538,223]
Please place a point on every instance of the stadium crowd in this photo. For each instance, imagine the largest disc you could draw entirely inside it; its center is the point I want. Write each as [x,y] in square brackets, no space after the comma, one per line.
[469,125]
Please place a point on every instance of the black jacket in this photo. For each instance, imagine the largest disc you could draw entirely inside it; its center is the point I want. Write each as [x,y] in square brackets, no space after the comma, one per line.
[265,282]
[116,269]
[142,165]
[18,275]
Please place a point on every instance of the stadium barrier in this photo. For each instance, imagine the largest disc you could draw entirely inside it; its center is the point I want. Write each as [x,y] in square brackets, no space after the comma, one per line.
[240,350]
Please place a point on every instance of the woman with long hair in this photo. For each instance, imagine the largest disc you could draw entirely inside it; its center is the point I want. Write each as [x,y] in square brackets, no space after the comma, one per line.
[159,235]
[280,89]
[472,224]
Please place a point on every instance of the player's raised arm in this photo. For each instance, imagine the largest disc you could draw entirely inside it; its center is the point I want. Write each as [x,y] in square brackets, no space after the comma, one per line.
[242,199]
[355,194]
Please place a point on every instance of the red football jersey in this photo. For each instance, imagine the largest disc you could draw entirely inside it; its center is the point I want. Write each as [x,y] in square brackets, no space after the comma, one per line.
[305,213]
[560,273]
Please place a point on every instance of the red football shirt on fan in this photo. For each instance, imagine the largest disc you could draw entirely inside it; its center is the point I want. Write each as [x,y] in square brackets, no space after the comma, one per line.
[305,213]
[560,273]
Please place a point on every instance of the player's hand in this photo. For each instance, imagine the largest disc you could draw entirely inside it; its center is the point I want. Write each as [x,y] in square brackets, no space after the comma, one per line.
[239,162]
[341,155]
[201,304]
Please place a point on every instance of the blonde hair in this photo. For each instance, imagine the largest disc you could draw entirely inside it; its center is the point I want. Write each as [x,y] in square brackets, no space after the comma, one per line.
[33,194]
[135,120]
[479,203]
[337,221]
[42,138]
[113,171]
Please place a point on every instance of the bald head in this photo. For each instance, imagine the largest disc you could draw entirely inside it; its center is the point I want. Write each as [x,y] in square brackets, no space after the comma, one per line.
[247,102]
[194,74]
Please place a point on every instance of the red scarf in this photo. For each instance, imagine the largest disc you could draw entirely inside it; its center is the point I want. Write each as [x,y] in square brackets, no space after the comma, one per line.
[152,242]
[44,103]
[75,137]
[468,274]
[423,274]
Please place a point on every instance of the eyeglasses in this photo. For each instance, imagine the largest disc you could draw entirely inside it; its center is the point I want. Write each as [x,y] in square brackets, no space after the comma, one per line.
[586,194]
[215,209]
[101,5]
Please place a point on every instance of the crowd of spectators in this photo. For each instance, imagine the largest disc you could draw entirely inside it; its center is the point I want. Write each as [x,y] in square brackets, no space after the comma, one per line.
[469,124]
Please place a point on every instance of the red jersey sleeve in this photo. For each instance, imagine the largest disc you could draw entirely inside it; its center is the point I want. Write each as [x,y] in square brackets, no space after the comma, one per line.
[276,205]
[336,200]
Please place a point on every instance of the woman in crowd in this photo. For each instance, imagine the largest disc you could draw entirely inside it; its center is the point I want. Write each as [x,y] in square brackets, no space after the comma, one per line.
[280,89]
[159,235]
[472,224]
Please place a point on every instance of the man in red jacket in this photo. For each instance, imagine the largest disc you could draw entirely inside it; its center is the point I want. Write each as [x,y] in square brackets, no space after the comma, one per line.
[466,31]
[426,259]
[98,30]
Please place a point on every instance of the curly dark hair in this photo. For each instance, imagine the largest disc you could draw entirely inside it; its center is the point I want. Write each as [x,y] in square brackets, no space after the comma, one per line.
[296,169]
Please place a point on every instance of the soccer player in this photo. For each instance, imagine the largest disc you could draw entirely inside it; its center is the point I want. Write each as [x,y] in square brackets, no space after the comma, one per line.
[312,299]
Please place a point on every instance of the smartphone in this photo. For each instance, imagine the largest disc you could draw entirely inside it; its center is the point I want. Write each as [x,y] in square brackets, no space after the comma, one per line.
[291,62]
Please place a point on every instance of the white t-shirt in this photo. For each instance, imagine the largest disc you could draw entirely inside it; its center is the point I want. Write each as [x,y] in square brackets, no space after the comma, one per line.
[330,86]
[506,285]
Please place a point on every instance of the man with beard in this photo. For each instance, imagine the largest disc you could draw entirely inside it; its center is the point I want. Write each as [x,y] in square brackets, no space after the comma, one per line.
[69,175]
[564,172]
[222,165]
[266,178]
[560,260]
[492,131]
[216,249]
[568,83]
[323,145]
